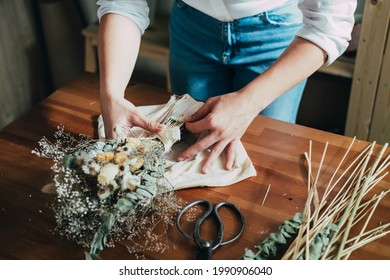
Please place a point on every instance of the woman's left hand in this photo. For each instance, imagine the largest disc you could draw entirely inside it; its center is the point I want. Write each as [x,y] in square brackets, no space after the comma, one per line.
[226,119]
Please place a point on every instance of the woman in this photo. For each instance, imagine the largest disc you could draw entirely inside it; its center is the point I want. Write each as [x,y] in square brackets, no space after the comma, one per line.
[242,57]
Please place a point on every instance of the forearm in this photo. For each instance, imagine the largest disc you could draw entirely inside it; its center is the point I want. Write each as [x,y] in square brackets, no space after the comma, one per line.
[301,59]
[118,46]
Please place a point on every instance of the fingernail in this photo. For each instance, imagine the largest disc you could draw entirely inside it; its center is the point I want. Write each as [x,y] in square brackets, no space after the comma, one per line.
[160,126]
[180,158]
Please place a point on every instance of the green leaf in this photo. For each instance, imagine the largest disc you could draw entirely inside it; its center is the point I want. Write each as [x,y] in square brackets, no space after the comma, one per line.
[91,256]
[69,161]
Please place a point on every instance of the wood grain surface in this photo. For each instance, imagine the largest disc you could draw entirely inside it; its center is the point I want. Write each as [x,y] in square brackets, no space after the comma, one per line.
[276,149]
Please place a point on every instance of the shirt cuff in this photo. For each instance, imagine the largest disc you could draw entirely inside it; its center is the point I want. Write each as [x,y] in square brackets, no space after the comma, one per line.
[328,24]
[332,45]
[137,11]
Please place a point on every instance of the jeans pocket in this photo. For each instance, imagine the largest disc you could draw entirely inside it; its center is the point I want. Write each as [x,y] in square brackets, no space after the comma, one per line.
[287,15]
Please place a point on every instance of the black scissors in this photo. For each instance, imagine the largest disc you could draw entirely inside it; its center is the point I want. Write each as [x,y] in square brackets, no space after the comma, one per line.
[205,247]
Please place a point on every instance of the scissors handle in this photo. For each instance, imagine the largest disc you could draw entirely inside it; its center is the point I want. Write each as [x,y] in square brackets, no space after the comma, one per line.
[205,214]
[218,241]
[239,215]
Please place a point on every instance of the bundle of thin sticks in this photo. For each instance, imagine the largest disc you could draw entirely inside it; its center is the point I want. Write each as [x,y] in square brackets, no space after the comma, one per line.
[336,221]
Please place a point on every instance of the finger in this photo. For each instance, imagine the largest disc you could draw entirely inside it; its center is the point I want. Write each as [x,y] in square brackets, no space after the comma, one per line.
[200,114]
[198,126]
[213,156]
[149,125]
[109,131]
[198,147]
[231,155]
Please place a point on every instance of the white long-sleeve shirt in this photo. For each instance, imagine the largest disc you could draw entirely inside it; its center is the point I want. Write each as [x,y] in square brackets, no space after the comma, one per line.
[326,23]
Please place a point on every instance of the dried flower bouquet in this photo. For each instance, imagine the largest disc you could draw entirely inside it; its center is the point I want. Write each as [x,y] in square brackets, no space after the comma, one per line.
[104,186]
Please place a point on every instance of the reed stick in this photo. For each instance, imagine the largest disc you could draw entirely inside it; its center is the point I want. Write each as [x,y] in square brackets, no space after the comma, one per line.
[266,194]
[346,209]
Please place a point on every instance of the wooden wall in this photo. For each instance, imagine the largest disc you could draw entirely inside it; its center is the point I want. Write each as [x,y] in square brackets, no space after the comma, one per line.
[24,77]
[41,49]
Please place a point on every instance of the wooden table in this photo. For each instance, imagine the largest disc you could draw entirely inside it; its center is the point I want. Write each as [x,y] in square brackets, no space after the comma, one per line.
[275,148]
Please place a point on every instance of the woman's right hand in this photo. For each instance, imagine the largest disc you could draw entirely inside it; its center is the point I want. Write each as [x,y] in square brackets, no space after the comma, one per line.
[119,40]
[122,113]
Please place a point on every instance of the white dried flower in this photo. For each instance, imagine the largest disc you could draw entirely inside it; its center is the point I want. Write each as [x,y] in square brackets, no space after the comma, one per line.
[103,193]
[130,182]
[90,167]
[85,169]
[123,170]
[107,174]
[94,168]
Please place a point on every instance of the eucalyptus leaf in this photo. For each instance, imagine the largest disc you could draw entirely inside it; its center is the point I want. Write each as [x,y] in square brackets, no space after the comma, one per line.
[69,161]
[320,242]
[143,192]
[99,240]
[276,241]
[90,256]
[149,178]
[132,197]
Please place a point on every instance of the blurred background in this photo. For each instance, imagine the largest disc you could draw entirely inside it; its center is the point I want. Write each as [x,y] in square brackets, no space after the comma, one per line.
[42,47]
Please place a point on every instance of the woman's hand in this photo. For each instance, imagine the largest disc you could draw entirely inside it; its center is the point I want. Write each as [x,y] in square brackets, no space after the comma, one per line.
[122,113]
[119,40]
[226,119]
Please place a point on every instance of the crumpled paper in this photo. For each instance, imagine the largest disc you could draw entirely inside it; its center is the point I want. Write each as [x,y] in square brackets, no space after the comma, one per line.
[187,174]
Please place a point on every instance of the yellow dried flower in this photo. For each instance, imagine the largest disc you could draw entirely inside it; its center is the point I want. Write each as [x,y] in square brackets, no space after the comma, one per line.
[131,187]
[105,156]
[133,142]
[120,158]
[143,149]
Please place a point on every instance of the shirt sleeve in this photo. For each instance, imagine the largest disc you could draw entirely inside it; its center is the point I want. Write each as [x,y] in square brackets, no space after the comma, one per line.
[328,24]
[136,10]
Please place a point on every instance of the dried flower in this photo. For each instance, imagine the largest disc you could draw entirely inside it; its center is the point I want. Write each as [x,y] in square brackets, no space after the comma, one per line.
[107,174]
[130,182]
[105,156]
[102,186]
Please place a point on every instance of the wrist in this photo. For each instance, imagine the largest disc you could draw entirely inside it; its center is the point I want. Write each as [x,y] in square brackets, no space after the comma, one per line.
[253,99]
[111,96]
[109,102]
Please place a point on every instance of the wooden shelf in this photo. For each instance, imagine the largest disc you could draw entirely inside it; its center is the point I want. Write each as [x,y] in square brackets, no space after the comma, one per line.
[155,41]
[90,43]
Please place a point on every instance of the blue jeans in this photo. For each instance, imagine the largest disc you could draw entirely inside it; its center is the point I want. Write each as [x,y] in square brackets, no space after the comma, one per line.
[209,57]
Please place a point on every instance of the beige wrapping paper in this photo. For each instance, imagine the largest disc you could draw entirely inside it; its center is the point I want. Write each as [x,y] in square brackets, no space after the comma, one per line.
[187,174]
